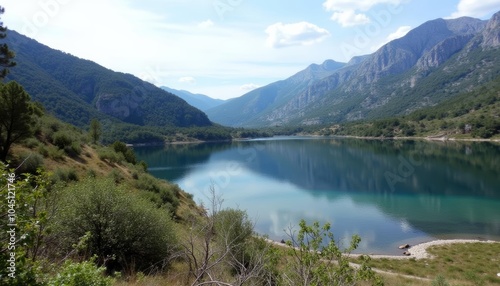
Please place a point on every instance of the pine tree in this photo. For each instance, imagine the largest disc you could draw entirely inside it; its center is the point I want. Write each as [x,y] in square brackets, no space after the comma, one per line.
[17,116]
[95,130]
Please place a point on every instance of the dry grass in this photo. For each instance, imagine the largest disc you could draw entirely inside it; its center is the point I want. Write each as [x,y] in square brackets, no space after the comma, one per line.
[460,264]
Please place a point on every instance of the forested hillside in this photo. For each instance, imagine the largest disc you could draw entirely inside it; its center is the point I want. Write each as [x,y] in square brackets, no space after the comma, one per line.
[77,90]
[474,114]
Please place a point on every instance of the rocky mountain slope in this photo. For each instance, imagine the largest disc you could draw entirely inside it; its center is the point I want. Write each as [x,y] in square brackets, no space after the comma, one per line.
[258,102]
[433,62]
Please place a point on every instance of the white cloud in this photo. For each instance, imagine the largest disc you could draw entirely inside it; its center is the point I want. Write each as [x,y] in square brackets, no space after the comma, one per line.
[346,12]
[476,8]
[400,32]
[249,86]
[349,18]
[187,79]
[296,34]
[206,24]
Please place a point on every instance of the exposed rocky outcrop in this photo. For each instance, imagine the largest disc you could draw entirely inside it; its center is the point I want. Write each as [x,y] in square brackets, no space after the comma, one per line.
[430,63]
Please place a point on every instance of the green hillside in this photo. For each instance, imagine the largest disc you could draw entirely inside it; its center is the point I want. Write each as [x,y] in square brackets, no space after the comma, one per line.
[77,90]
[474,114]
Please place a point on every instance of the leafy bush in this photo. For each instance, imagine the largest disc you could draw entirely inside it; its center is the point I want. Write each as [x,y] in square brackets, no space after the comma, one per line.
[128,153]
[30,162]
[55,153]
[166,193]
[32,143]
[81,274]
[116,176]
[108,154]
[313,259]
[31,221]
[64,175]
[62,139]
[233,229]
[124,227]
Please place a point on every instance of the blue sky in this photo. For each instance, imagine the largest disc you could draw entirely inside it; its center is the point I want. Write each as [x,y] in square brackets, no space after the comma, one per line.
[224,48]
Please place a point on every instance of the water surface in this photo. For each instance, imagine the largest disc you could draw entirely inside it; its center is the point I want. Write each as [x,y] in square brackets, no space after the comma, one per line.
[388,192]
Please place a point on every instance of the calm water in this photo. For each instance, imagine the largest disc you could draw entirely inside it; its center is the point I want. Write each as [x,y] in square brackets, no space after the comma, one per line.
[388,192]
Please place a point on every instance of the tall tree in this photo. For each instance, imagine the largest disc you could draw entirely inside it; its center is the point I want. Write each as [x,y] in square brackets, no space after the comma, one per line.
[95,130]
[6,55]
[17,116]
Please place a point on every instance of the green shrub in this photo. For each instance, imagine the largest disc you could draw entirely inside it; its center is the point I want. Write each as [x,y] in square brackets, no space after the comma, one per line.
[127,152]
[233,229]
[30,162]
[167,192]
[55,153]
[81,274]
[32,143]
[62,139]
[42,150]
[122,225]
[108,154]
[91,173]
[64,175]
[74,149]
[116,176]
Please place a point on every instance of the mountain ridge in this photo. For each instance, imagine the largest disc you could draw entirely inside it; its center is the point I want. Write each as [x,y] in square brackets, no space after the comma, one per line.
[201,101]
[265,98]
[387,82]
[77,90]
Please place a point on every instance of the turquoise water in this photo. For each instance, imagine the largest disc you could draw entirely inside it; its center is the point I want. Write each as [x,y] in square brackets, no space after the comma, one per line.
[388,192]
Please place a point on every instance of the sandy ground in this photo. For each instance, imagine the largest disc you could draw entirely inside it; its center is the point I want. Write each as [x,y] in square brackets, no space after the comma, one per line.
[418,251]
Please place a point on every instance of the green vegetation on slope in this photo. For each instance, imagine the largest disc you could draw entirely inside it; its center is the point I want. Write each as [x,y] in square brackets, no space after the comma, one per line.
[77,90]
[474,114]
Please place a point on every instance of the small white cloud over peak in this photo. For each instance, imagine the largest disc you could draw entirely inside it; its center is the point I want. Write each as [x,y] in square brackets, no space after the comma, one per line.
[400,32]
[281,35]
[249,86]
[206,24]
[187,79]
[349,18]
[348,13]
[476,8]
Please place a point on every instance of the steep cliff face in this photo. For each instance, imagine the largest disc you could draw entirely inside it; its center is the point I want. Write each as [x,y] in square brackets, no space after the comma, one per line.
[403,54]
[121,107]
[491,35]
[442,52]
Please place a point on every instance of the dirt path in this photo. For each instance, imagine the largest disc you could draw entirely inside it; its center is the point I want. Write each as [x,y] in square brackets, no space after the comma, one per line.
[418,251]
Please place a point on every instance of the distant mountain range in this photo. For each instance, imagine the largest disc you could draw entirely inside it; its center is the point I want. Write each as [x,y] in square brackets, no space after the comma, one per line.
[77,90]
[200,101]
[432,63]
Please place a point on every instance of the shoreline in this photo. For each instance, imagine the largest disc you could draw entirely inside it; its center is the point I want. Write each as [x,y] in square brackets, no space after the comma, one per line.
[417,251]
[428,138]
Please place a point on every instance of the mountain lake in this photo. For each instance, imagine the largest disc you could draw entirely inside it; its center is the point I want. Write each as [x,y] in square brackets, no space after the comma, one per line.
[389,192]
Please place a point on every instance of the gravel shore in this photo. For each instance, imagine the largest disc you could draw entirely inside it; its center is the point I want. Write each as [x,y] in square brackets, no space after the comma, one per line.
[419,251]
